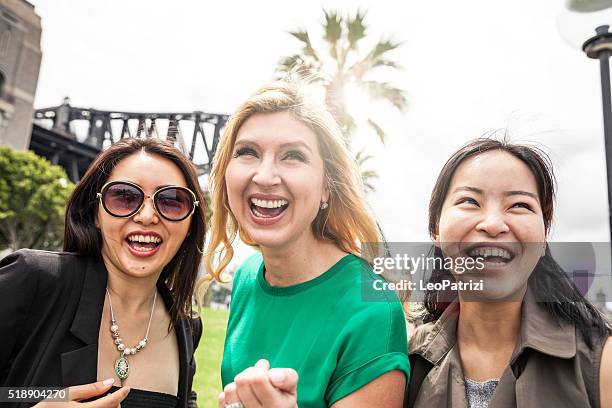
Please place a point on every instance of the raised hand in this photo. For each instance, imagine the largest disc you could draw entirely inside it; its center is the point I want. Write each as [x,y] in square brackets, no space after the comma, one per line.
[262,387]
[82,392]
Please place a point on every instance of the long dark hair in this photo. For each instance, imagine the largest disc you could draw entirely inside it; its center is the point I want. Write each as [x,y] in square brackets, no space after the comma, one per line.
[563,300]
[82,236]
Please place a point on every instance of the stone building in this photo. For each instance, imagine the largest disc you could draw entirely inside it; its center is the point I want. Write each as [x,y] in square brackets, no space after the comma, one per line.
[20,57]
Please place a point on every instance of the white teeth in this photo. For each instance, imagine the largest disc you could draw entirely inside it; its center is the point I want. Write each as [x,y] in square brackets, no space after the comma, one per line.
[487,252]
[260,215]
[268,203]
[144,239]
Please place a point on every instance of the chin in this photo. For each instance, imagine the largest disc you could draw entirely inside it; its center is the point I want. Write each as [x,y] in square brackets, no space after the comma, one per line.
[500,293]
[267,240]
[139,267]
[266,237]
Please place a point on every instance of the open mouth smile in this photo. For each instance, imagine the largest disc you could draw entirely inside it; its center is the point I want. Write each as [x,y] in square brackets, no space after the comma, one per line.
[267,210]
[492,255]
[143,243]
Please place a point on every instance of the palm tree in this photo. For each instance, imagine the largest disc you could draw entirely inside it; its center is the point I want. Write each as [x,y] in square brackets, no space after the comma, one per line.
[345,65]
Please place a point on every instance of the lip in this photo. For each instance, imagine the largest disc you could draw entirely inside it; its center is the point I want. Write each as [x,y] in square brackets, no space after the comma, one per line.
[265,221]
[262,196]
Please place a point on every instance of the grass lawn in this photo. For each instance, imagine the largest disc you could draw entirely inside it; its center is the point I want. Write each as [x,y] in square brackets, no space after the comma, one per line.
[207,381]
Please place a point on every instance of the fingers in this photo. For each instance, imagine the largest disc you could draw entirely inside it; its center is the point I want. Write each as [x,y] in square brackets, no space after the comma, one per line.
[260,385]
[221,400]
[263,363]
[246,382]
[284,379]
[81,392]
[111,400]
[230,394]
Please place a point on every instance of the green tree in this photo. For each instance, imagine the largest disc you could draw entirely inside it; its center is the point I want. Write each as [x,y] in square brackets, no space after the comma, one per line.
[343,65]
[33,195]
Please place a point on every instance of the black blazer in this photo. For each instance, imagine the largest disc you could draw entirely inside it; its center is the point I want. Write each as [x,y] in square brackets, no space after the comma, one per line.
[50,311]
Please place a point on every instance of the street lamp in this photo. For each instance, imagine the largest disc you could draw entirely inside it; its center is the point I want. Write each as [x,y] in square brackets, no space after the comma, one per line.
[578,22]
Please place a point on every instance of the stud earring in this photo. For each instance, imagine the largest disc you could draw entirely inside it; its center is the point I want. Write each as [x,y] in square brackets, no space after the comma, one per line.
[324,205]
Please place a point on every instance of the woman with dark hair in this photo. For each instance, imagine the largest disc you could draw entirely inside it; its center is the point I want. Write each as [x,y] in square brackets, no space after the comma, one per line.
[116,306]
[528,337]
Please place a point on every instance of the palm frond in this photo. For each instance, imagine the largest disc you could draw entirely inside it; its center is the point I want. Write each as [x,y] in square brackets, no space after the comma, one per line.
[356,29]
[333,31]
[307,49]
[379,131]
[385,91]
[361,68]
[383,62]
[382,47]
[297,65]
[361,157]
[367,176]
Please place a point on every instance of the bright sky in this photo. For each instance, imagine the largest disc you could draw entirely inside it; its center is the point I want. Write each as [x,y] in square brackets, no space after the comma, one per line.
[470,67]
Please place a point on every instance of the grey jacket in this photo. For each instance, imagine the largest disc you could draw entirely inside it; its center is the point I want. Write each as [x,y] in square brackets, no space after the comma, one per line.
[551,365]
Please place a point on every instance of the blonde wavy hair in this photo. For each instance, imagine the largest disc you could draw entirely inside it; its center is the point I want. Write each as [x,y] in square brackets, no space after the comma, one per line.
[347,221]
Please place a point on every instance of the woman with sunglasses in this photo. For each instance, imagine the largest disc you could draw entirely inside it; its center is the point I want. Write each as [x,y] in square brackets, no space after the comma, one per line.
[284,181]
[112,313]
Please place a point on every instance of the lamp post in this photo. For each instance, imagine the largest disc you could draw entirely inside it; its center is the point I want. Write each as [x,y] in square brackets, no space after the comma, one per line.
[595,16]
[600,47]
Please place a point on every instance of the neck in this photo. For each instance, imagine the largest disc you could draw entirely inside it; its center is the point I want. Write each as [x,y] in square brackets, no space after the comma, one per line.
[489,325]
[294,263]
[131,294]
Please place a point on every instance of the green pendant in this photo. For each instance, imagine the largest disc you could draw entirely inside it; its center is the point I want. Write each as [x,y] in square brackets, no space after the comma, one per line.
[122,367]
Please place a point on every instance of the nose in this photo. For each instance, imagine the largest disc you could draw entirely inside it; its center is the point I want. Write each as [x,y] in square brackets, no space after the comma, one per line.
[266,173]
[493,224]
[147,214]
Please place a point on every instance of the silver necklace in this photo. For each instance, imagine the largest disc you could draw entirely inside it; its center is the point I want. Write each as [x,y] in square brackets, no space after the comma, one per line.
[122,365]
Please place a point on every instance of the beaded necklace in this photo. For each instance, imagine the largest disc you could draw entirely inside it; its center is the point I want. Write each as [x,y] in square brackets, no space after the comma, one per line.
[122,365]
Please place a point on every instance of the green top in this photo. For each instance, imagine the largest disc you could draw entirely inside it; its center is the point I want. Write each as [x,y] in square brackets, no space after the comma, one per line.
[335,330]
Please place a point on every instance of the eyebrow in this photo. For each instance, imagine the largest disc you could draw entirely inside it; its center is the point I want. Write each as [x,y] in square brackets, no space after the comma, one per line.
[520,192]
[506,193]
[296,144]
[468,188]
[283,146]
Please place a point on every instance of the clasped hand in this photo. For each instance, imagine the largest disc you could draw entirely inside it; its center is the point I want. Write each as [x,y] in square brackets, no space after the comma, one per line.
[262,387]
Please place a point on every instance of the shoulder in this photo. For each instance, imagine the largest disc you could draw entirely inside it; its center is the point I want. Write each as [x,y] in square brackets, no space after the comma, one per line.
[367,292]
[46,268]
[249,267]
[372,312]
[605,374]
[421,338]
[247,271]
[37,260]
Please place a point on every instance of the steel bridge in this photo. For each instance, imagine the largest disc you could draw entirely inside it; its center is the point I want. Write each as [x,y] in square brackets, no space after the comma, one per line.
[72,137]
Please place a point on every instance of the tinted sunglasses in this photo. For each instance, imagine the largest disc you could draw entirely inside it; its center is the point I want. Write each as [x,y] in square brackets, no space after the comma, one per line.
[124,199]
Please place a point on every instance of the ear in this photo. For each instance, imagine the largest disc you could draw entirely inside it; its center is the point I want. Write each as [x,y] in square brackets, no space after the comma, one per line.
[435,239]
[96,221]
[326,194]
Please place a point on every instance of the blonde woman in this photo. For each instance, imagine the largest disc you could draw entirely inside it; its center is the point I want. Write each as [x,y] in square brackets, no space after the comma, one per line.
[284,182]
